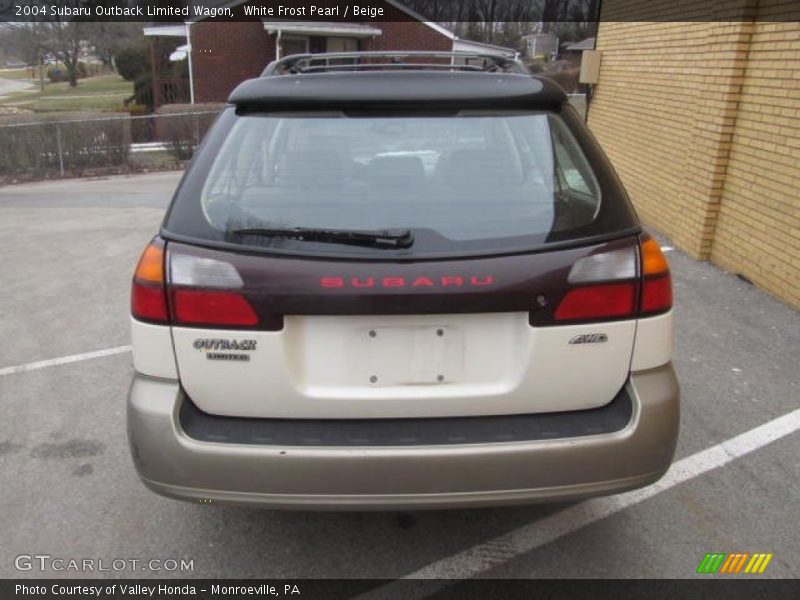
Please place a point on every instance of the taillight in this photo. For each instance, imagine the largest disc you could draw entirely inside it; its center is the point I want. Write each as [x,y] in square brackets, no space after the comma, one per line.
[201,291]
[613,285]
[656,279]
[605,287]
[205,291]
[148,300]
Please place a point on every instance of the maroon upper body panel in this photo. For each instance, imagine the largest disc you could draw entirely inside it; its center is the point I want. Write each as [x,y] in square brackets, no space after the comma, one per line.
[280,285]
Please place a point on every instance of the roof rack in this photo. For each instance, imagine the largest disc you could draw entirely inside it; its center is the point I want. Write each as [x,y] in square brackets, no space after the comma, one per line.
[296,64]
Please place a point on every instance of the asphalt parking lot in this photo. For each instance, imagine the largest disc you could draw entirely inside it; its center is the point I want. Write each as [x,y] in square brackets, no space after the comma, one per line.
[68,487]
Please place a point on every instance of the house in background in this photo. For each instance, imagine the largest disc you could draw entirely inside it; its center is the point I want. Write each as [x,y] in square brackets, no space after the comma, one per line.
[540,45]
[222,54]
[573,51]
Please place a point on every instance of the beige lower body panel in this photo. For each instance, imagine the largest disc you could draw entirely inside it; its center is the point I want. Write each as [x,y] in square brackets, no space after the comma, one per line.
[391,478]
[404,502]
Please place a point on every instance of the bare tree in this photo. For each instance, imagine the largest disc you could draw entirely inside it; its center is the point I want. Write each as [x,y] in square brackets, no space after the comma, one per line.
[60,36]
[22,41]
[31,41]
[107,37]
[63,40]
[505,21]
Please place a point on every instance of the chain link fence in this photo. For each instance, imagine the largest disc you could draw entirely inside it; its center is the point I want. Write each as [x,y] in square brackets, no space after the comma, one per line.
[74,143]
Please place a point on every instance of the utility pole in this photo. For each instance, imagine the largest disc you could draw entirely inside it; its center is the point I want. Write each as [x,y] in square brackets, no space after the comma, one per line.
[189,56]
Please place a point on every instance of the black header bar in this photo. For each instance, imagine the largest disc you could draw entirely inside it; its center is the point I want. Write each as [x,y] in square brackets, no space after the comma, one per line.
[446,12]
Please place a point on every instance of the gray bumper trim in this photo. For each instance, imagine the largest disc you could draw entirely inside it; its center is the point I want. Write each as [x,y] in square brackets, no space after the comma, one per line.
[397,477]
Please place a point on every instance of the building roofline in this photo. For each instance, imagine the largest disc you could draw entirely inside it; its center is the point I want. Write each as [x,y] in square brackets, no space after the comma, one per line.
[339,28]
[584,44]
[504,50]
[165,31]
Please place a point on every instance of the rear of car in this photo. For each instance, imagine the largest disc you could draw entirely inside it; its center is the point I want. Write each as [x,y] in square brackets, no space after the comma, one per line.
[401,288]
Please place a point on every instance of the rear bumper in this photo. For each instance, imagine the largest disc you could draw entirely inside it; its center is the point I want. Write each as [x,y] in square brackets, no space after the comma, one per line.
[402,477]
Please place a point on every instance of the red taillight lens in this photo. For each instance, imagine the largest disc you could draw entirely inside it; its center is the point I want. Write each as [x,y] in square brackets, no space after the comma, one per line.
[206,307]
[597,301]
[148,300]
[656,279]
[657,294]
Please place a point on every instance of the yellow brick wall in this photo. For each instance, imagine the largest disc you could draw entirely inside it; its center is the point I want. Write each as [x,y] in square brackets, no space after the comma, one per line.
[693,113]
[758,227]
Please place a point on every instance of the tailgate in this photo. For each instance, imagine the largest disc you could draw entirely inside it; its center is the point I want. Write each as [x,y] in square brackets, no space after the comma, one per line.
[361,340]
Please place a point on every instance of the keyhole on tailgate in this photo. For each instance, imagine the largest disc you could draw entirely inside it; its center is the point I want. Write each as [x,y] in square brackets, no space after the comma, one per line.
[372,333]
[440,332]
[440,378]
[373,379]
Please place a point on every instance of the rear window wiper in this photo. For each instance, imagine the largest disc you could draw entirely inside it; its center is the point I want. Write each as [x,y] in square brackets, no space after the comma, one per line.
[385,239]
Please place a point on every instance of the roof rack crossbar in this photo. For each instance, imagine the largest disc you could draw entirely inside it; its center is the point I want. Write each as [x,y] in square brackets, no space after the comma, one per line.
[303,63]
[388,66]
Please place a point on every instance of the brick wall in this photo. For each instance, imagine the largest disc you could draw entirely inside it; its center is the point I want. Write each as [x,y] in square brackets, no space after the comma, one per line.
[408,35]
[225,54]
[692,113]
[758,227]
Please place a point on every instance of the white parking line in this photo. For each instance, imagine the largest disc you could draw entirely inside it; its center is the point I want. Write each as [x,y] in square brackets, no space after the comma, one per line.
[478,559]
[63,360]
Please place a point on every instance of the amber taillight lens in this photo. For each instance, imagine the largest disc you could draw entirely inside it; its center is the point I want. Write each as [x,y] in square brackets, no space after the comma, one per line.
[656,280]
[148,297]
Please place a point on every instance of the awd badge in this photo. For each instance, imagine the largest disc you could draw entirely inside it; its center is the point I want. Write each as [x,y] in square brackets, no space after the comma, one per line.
[589,338]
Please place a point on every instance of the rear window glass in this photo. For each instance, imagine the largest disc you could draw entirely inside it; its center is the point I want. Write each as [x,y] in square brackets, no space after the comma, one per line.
[458,181]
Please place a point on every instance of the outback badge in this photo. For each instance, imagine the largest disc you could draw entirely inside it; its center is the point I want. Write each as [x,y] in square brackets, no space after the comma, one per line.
[217,344]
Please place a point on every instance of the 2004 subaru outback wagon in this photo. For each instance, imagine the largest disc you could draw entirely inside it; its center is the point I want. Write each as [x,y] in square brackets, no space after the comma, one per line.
[396,282]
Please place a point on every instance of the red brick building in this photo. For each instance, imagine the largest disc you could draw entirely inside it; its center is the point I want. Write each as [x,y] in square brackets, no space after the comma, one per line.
[225,53]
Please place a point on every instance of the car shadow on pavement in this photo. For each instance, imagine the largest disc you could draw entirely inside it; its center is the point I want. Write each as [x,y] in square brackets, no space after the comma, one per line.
[357,544]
